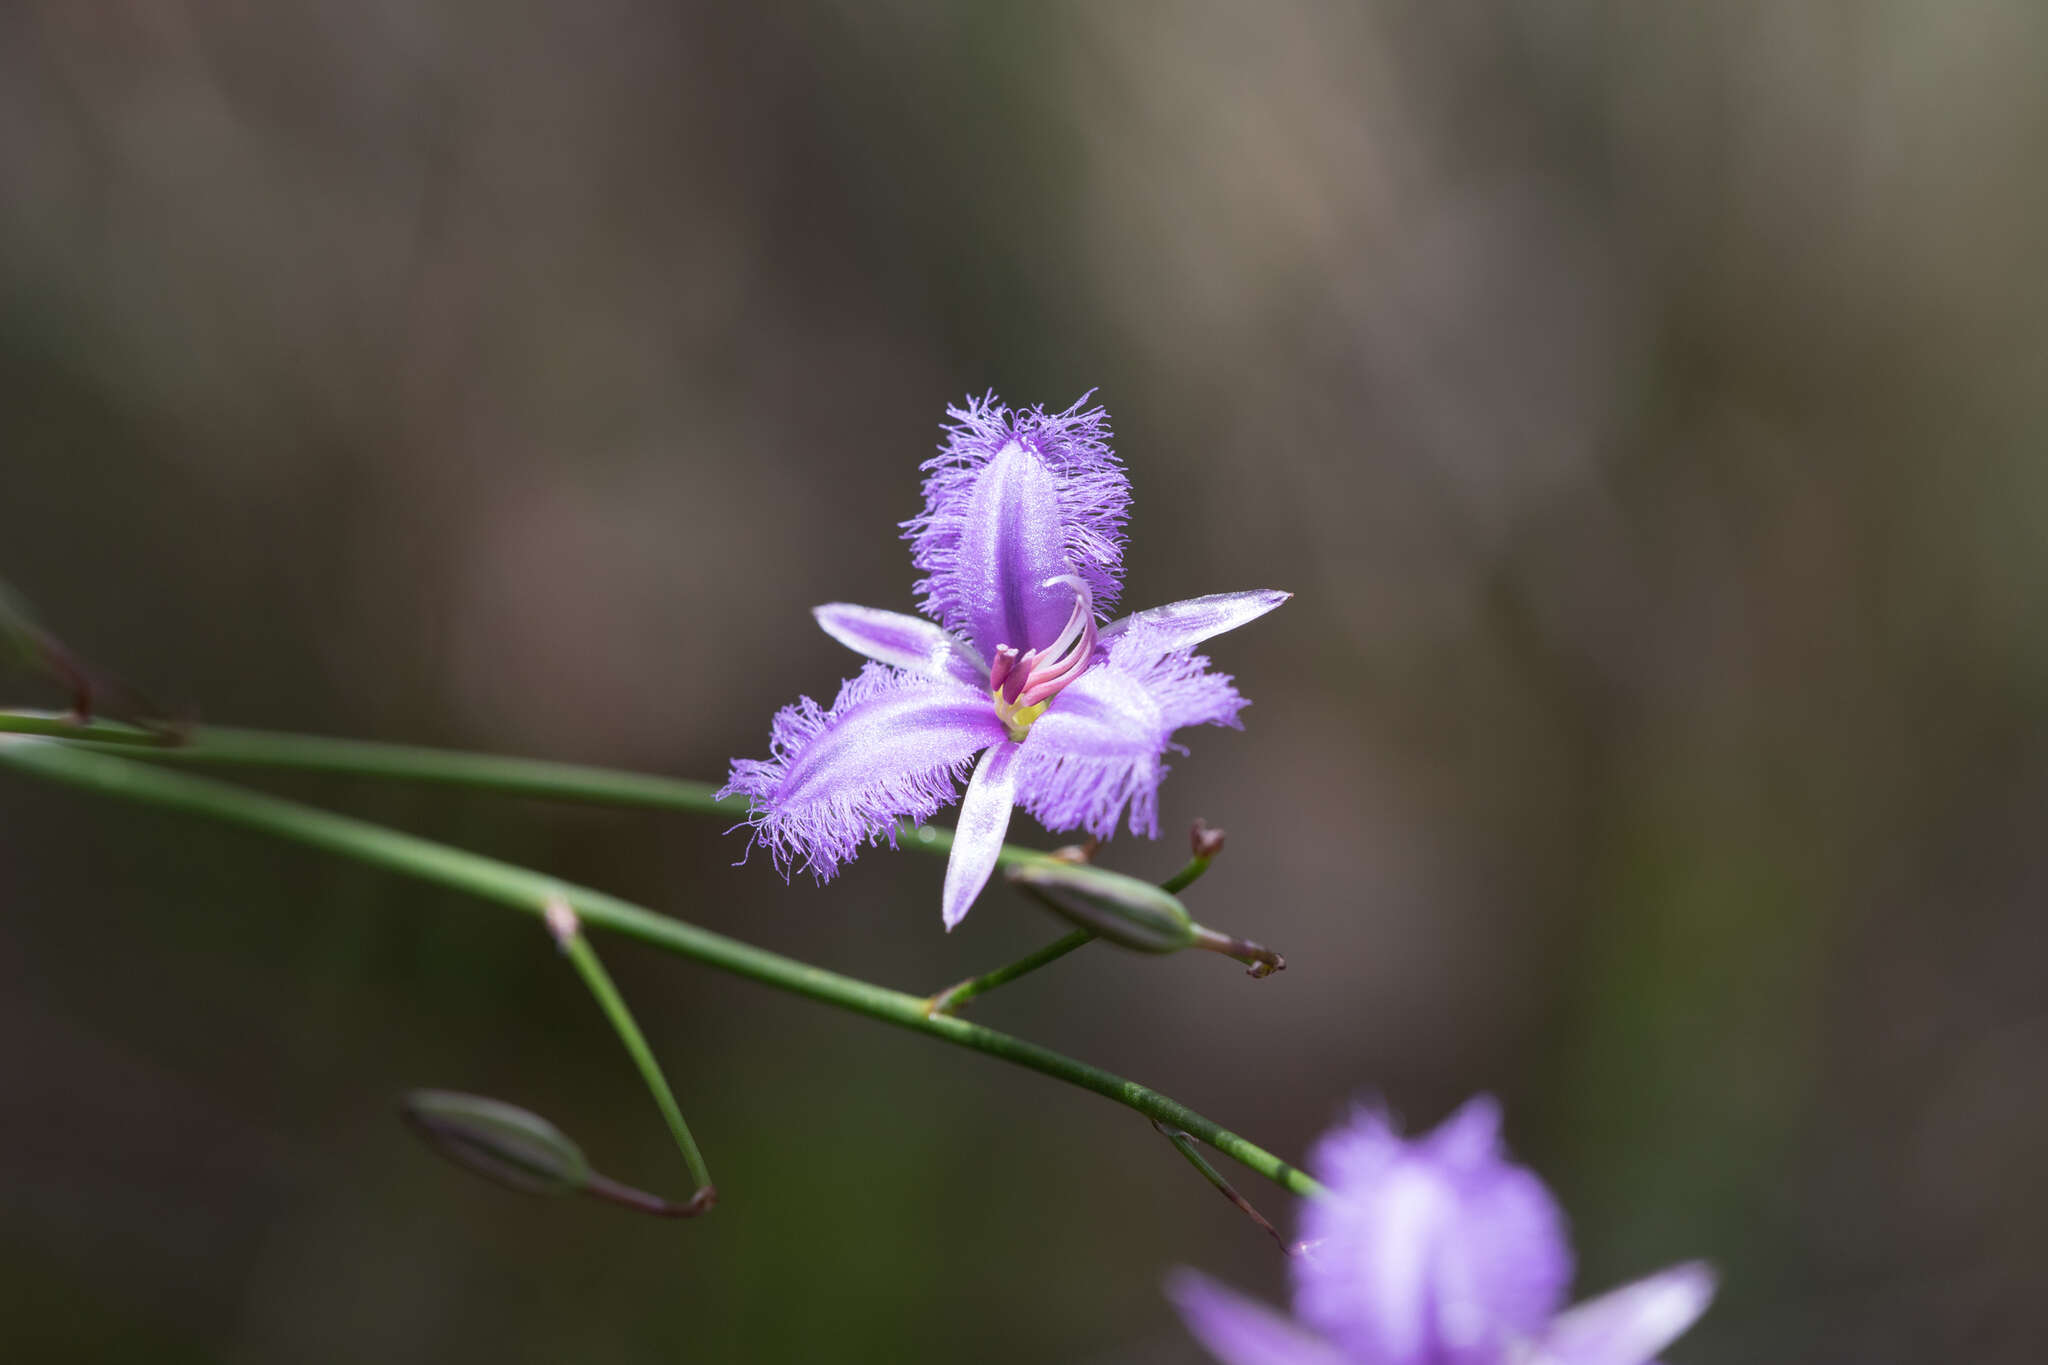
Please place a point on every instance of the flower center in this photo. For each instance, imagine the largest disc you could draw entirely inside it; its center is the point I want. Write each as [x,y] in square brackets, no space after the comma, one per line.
[1023,684]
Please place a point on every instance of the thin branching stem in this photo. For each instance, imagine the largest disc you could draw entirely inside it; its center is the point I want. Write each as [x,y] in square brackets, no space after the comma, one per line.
[107,774]
[225,746]
[568,932]
[953,997]
[1186,877]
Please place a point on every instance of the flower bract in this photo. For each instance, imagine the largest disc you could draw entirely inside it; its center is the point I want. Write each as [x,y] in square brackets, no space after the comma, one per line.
[1013,678]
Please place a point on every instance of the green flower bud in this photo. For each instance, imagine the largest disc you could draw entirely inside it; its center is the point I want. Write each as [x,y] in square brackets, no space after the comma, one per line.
[499,1141]
[1125,911]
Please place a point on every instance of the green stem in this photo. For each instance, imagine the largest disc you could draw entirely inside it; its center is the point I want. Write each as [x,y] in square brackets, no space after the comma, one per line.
[64,725]
[953,997]
[229,747]
[532,892]
[1183,879]
[283,751]
[568,933]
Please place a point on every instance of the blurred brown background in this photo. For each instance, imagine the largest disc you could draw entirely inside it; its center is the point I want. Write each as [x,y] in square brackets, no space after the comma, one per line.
[1644,402]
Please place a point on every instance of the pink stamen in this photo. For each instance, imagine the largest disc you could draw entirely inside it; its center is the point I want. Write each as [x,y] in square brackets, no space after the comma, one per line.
[1019,677]
[1047,683]
[1019,680]
[999,671]
[1082,615]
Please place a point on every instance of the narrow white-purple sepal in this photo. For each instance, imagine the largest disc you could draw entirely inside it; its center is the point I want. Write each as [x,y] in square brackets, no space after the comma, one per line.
[1629,1325]
[902,641]
[1241,1331]
[978,837]
[1186,623]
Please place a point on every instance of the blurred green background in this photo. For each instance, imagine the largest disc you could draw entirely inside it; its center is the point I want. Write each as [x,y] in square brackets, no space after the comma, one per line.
[1644,402]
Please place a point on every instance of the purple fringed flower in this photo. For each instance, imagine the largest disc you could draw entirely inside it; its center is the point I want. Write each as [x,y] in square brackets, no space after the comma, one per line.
[1438,1251]
[1021,545]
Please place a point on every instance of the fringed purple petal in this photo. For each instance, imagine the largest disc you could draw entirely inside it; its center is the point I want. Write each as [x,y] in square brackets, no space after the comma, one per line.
[1629,1325]
[1015,498]
[978,836]
[906,642]
[1241,1331]
[1438,1251]
[891,747]
[1103,743]
[1185,624]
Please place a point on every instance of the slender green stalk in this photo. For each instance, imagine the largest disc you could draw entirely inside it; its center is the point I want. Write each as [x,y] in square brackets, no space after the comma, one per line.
[1183,879]
[62,725]
[953,997]
[568,932]
[229,747]
[522,889]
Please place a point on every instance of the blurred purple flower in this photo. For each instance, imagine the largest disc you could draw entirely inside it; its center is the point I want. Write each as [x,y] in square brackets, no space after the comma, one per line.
[1021,545]
[1438,1251]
